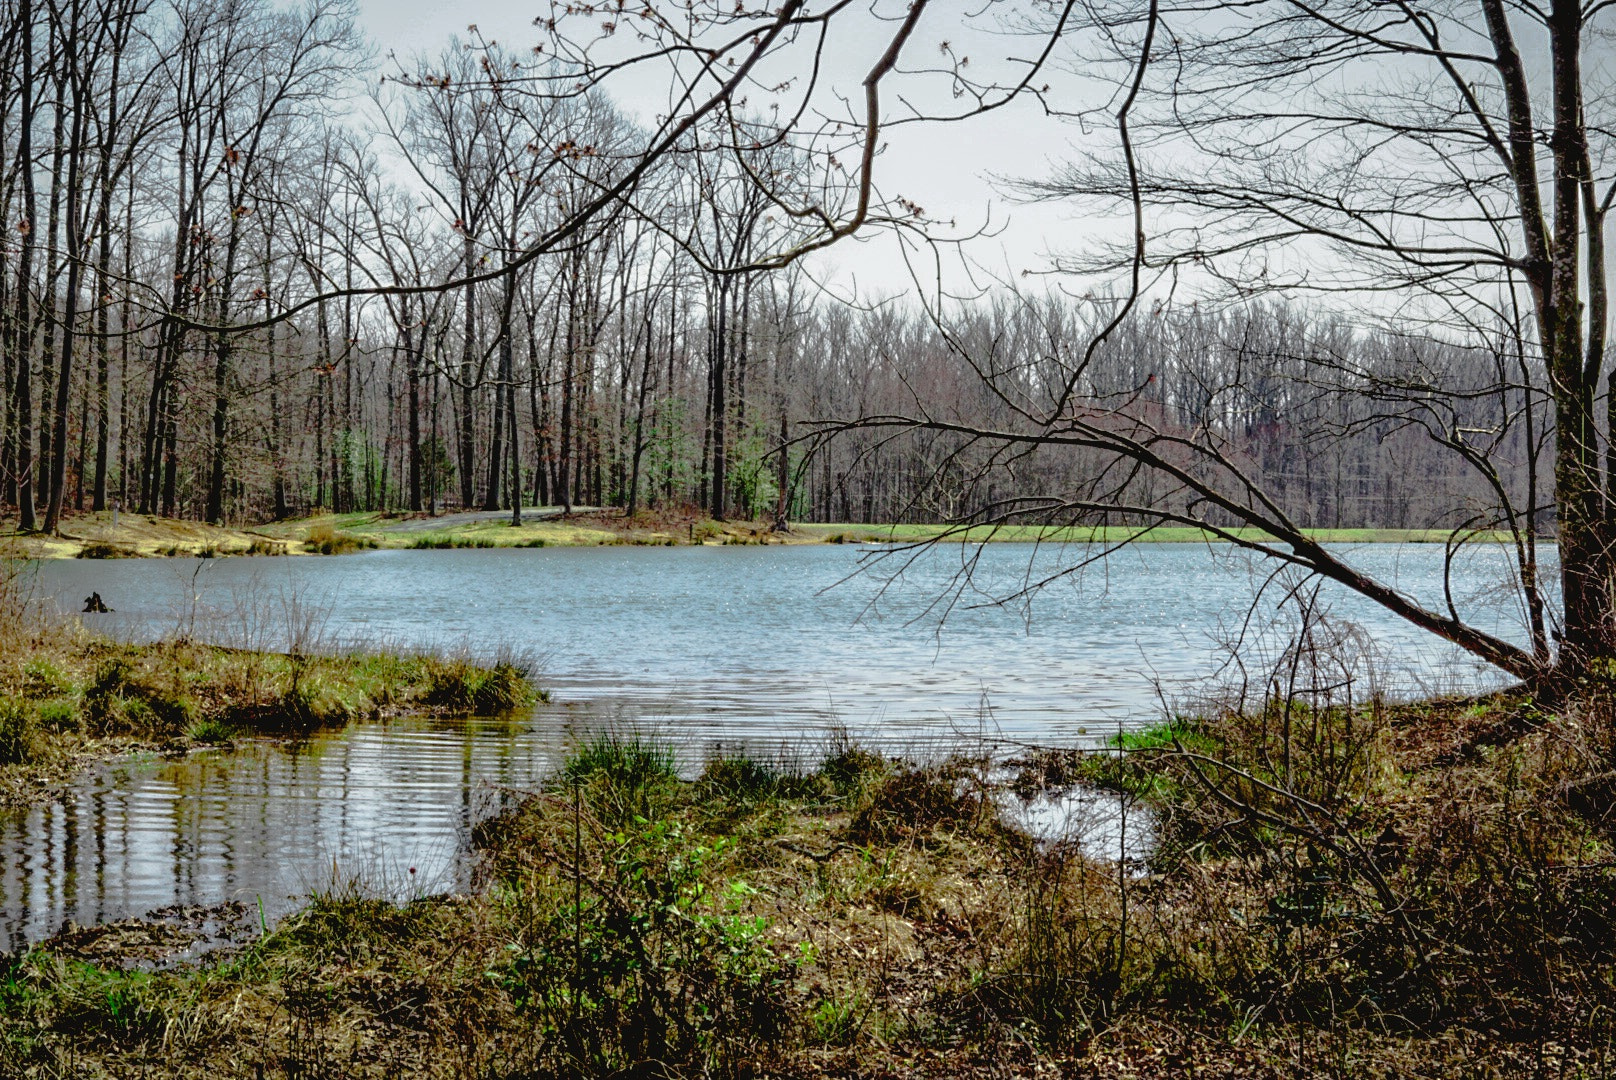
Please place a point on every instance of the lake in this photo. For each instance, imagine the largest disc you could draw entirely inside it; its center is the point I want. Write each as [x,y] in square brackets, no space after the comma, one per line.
[777,647]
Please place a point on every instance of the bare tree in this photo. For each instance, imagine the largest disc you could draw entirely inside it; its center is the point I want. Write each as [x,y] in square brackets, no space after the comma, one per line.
[1392,155]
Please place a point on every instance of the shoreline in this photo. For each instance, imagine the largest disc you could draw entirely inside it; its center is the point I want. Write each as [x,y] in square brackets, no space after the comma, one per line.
[95,536]
[71,701]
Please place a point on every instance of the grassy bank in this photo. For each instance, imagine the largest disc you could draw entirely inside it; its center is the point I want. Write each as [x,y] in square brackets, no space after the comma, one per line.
[1366,892]
[1100,534]
[69,698]
[108,536]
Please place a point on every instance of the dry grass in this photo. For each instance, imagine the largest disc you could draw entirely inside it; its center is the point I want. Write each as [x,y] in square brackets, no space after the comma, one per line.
[325,540]
[104,535]
[872,918]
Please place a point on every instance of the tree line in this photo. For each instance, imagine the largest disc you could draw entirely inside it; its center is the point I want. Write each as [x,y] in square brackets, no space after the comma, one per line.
[222,298]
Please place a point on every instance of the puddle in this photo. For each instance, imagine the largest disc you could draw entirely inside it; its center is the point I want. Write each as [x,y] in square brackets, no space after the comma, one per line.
[1103,825]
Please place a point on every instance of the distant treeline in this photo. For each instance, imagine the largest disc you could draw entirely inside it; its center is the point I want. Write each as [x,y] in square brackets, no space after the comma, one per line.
[197,198]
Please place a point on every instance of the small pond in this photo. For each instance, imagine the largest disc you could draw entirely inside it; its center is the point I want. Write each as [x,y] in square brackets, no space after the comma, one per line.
[779,648]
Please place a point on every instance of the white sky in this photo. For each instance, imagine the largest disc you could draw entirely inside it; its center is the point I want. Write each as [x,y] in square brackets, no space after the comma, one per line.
[945,168]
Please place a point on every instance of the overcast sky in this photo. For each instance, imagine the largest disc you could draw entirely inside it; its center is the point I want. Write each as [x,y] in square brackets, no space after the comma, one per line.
[945,168]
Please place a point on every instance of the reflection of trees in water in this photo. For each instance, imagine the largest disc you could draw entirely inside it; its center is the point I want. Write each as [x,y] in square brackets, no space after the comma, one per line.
[263,822]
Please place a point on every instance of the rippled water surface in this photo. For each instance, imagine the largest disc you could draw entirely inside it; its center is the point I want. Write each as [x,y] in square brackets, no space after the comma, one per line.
[769,645]
[389,805]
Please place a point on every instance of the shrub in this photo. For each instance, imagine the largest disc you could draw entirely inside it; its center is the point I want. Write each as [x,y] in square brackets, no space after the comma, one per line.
[102,550]
[648,957]
[324,540]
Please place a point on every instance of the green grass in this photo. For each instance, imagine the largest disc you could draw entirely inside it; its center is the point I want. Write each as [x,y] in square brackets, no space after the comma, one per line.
[1170,735]
[1128,764]
[68,693]
[444,541]
[621,778]
[211,731]
[738,777]
[629,761]
[462,685]
[1113,534]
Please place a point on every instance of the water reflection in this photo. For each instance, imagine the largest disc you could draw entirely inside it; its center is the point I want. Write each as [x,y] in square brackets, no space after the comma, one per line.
[390,804]
[1100,824]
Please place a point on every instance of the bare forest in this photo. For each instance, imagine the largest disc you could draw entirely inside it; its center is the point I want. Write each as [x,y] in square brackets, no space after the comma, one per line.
[193,225]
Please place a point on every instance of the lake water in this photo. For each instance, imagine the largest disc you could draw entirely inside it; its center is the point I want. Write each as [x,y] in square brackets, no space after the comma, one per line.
[777,647]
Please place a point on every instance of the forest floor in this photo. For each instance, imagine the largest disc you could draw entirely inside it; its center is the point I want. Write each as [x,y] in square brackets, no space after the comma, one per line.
[109,535]
[1415,895]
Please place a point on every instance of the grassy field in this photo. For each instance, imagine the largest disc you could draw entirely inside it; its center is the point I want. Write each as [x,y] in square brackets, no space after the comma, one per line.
[134,535]
[1366,893]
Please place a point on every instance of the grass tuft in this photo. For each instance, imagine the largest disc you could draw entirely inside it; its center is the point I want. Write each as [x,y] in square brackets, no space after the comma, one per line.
[443,543]
[325,540]
[459,684]
[212,731]
[100,550]
[623,761]
[736,777]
